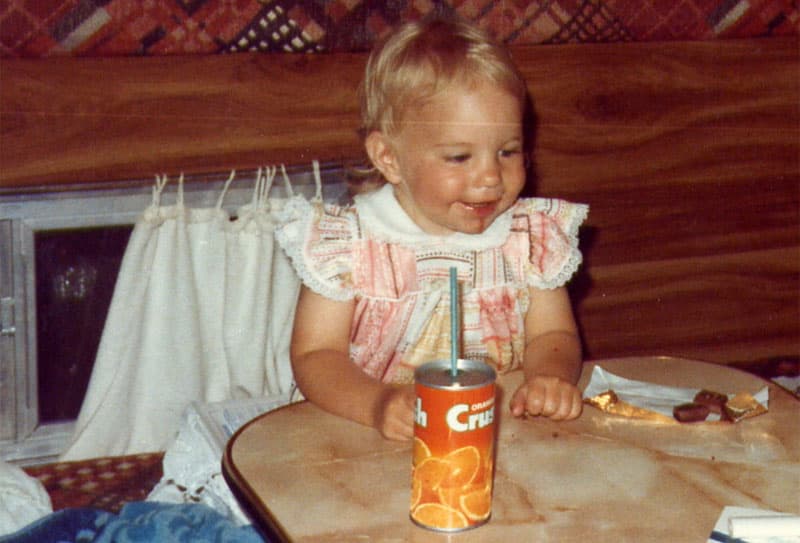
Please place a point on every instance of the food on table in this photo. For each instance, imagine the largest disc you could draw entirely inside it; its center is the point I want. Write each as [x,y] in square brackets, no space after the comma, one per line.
[732,409]
[670,404]
[714,400]
[691,412]
[742,406]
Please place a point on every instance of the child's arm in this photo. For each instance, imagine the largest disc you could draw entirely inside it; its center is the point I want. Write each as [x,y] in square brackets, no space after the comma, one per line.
[326,376]
[553,359]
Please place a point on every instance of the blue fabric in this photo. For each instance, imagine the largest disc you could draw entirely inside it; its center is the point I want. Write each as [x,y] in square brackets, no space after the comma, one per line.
[137,522]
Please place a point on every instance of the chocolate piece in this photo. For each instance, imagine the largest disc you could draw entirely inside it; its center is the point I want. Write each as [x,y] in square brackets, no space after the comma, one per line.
[690,412]
[714,400]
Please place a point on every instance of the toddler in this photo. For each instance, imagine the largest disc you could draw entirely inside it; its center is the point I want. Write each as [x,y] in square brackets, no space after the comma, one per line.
[442,122]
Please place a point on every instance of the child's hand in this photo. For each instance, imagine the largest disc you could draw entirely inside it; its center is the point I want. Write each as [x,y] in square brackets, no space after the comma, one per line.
[395,416]
[547,396]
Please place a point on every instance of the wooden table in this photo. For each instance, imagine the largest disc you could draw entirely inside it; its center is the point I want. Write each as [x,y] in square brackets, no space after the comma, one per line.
[306,475]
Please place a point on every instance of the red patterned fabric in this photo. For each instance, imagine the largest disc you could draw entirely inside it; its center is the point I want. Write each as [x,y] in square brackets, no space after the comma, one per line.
[101,483]
[39,28]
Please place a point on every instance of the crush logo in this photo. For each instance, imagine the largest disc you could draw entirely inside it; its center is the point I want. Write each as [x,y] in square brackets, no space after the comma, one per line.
[462,417]
[420,416]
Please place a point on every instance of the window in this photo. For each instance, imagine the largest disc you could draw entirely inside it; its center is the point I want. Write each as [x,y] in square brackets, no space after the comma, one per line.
[59,258]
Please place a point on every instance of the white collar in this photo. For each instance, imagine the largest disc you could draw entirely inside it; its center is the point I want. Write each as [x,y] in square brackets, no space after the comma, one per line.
[382,216]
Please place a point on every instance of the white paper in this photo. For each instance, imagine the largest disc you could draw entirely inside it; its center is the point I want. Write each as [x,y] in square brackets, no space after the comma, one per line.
[762,520]
[221,419]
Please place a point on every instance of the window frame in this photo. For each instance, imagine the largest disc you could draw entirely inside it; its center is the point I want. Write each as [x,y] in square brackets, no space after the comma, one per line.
[23,439]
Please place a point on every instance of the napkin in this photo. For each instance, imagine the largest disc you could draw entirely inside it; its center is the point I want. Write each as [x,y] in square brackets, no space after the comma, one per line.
[650,400]
[740,525]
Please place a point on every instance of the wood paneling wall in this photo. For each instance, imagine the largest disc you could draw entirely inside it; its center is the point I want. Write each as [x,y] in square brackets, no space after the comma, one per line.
[96,120]
[688,154]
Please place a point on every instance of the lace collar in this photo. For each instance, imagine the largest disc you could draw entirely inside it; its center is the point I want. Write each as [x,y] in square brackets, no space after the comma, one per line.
[384,219]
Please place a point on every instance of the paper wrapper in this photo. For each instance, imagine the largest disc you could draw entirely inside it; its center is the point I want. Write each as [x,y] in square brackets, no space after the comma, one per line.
[642,400]
[755,526]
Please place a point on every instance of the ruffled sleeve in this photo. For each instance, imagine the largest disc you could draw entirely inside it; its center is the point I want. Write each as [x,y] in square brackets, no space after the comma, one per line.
[546,234]
[318,238]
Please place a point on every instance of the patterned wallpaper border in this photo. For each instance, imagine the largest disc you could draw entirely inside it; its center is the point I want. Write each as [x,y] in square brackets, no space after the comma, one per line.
[42,28]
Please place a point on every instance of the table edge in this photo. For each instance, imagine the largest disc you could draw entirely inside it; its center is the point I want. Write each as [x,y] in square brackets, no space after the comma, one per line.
[245,495]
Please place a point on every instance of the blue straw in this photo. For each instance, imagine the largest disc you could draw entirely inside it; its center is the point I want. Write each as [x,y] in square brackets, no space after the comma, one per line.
[453,322]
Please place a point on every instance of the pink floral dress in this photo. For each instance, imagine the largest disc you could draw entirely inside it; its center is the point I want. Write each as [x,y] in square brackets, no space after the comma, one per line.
[372,253]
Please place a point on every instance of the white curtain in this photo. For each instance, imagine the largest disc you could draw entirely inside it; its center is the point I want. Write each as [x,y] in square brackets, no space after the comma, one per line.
[201,311]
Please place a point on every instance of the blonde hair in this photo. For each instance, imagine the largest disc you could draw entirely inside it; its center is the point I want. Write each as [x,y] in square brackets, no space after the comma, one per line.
[420,59]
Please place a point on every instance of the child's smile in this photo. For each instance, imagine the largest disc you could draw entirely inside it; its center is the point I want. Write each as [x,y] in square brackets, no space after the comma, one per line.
[481,209]
[457,161]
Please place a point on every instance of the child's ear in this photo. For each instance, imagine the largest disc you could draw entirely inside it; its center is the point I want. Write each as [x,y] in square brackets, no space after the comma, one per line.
[382,155]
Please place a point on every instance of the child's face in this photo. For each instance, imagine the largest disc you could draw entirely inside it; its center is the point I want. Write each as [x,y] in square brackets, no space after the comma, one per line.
[457,162]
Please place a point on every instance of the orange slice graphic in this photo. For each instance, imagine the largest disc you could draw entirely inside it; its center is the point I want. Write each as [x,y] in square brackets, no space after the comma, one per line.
[439,516]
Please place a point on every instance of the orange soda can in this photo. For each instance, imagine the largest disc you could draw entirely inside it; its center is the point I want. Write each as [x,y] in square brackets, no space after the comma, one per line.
[454,436]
